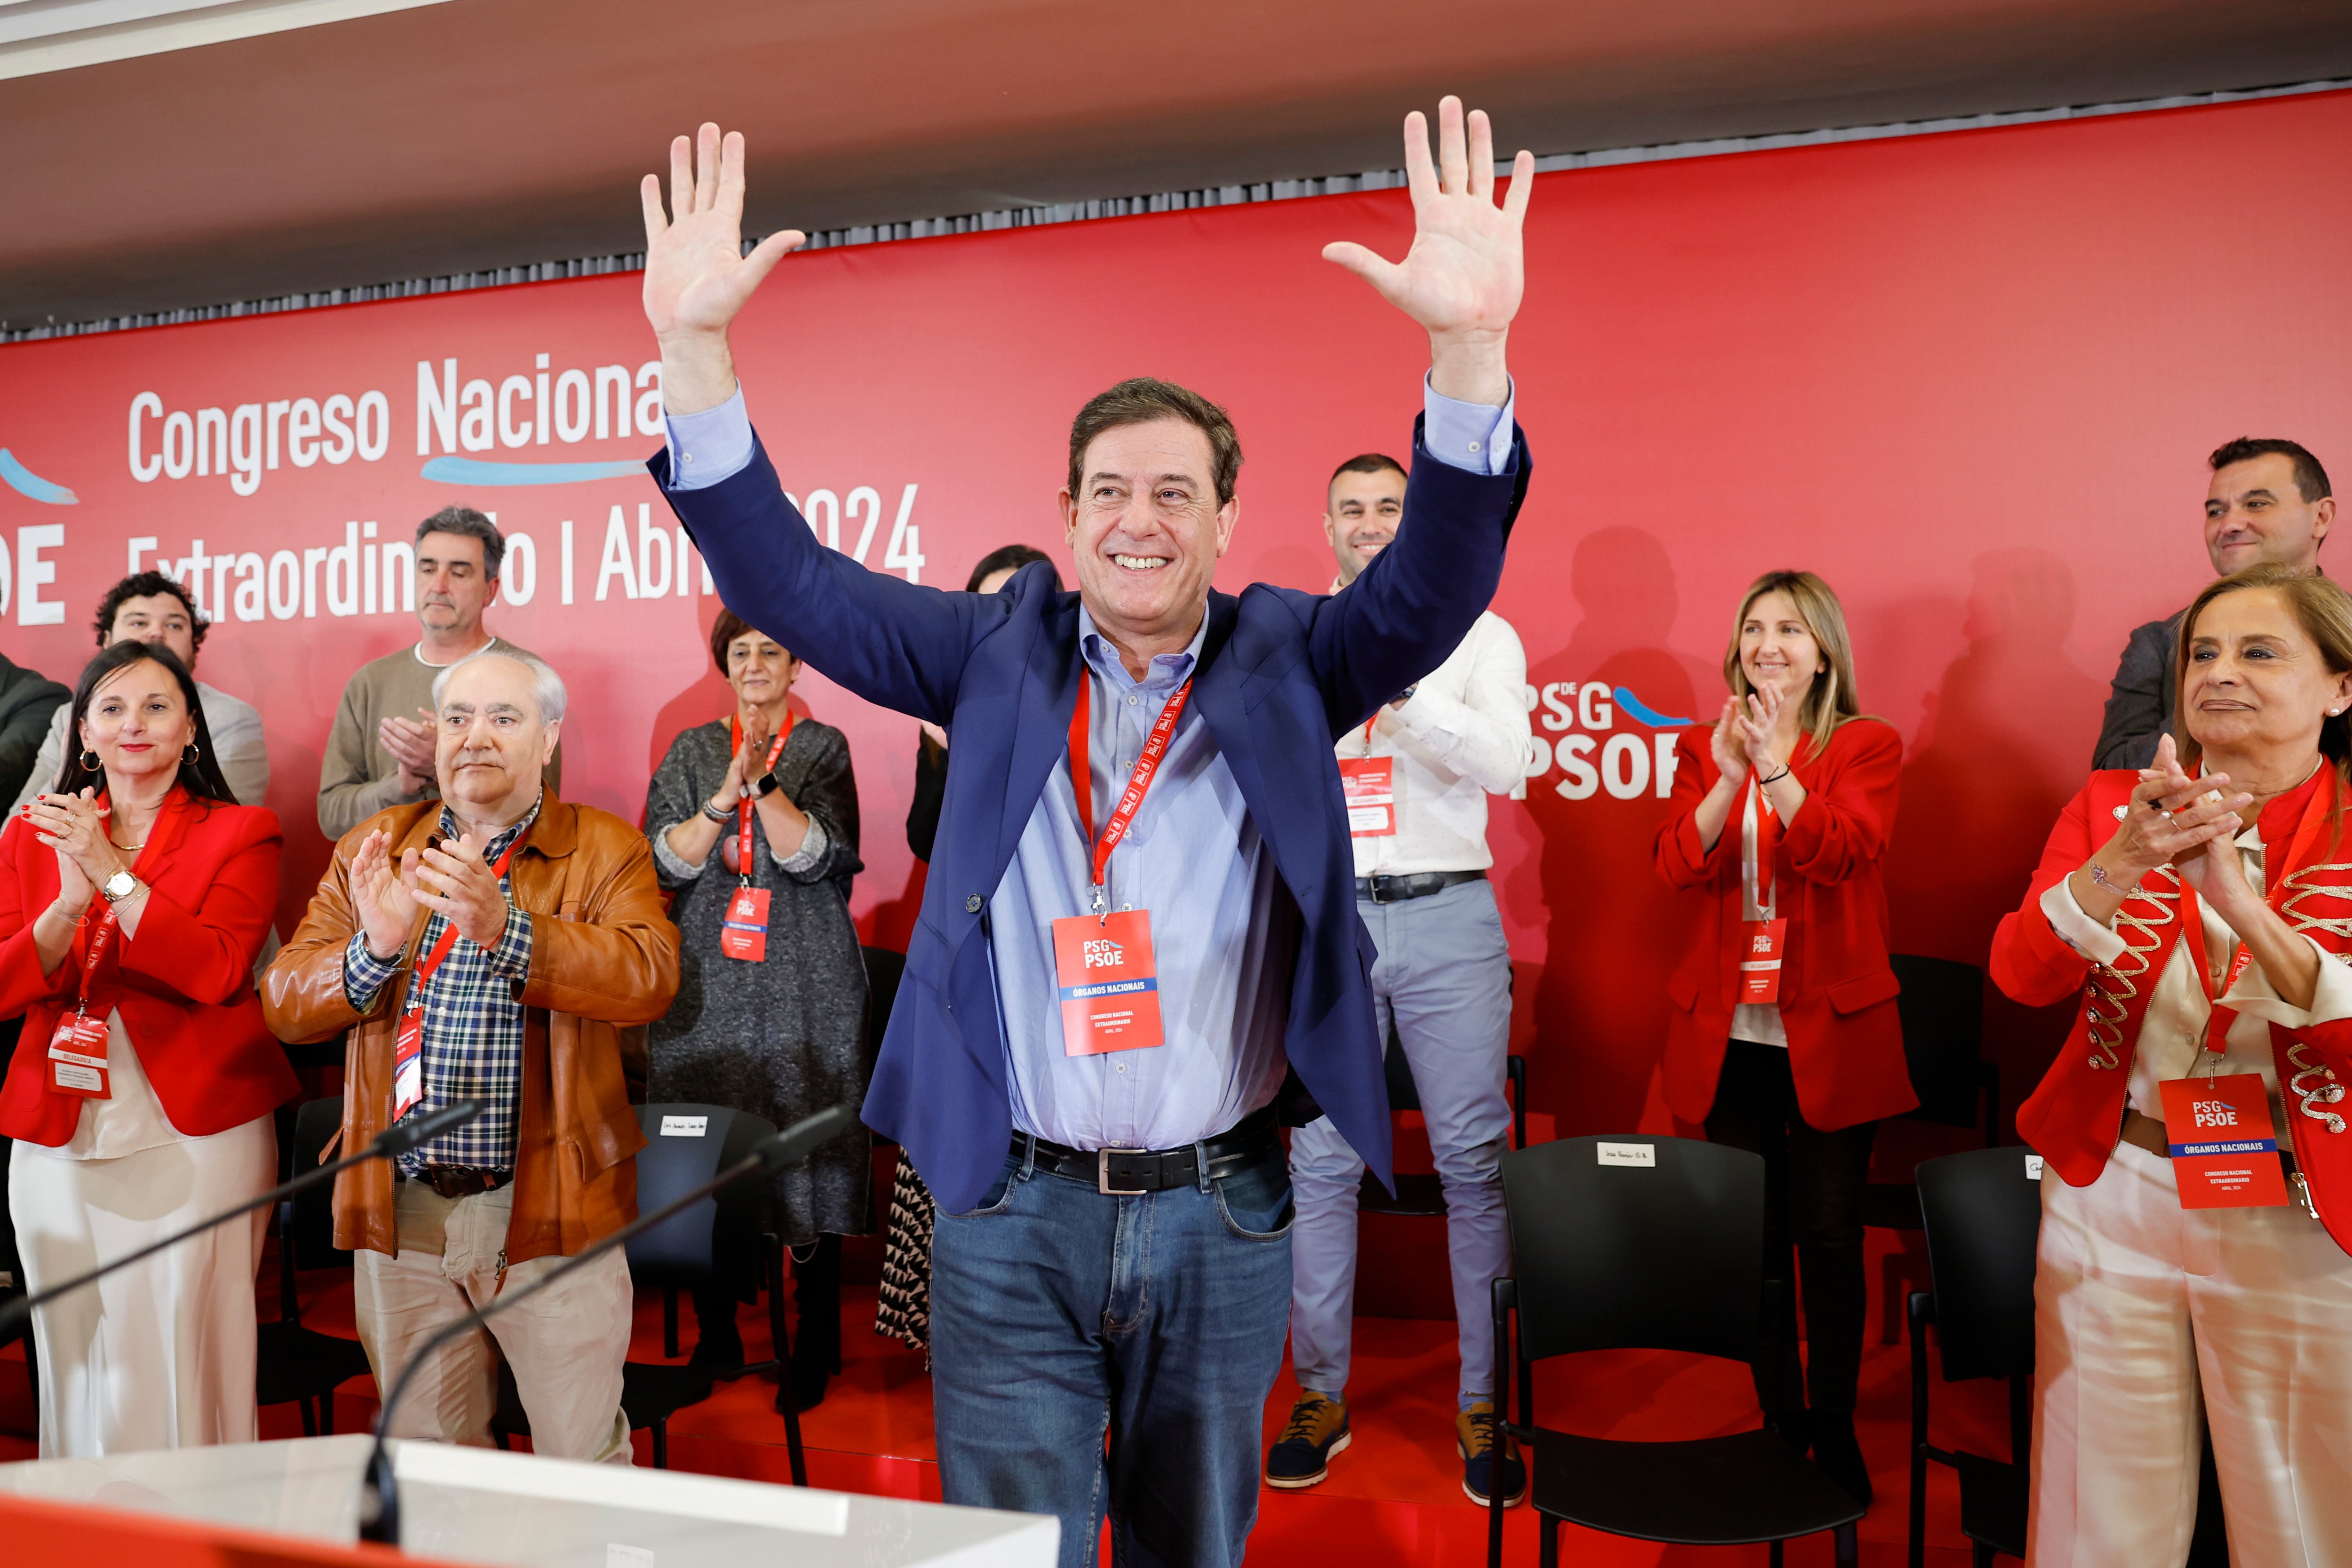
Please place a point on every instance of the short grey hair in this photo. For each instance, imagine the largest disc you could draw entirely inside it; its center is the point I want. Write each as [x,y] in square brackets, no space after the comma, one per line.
[467,523]
[546,686]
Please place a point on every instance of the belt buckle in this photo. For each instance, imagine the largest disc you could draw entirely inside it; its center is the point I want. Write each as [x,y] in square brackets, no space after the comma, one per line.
[1379,897]
[1102,1176]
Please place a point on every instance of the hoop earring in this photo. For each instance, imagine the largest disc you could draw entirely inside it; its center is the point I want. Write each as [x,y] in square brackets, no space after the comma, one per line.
[89,760]
[189,755]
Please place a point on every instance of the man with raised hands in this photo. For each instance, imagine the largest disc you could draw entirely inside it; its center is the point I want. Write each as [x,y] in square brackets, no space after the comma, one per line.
[1138,944]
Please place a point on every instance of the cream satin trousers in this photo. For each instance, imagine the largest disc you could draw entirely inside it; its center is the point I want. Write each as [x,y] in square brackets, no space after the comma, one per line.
[2148,1315]
[566,1344]
[161,1354]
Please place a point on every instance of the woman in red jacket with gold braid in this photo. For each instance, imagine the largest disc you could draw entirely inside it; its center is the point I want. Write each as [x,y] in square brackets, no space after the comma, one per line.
[1783,1037]
[2182,1261]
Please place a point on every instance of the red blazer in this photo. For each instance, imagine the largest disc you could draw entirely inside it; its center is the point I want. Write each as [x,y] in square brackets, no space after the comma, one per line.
[183,985]
[2074,1117]
[1837,990]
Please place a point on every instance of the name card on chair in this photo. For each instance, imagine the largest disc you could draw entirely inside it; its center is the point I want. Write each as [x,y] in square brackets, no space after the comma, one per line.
[686,1126]
[1642,1154]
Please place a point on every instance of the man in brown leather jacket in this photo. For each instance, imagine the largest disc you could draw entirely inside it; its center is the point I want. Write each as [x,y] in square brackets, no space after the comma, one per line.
[503,945]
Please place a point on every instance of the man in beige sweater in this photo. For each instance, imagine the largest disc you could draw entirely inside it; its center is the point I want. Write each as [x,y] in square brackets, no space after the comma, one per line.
[381,751]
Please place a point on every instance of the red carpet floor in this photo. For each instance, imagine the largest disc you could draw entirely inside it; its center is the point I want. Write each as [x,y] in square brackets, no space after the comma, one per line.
[1394,1499]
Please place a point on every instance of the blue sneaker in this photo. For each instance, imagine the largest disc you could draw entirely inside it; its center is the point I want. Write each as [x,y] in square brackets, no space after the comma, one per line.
[1302,1455]
[1474,1437]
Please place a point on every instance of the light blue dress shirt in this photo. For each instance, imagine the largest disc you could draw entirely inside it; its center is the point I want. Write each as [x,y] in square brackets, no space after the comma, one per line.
[1223,933]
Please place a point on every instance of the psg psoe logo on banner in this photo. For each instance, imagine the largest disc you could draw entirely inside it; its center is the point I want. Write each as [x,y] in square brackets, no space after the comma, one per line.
[1628,762]
[1110,992]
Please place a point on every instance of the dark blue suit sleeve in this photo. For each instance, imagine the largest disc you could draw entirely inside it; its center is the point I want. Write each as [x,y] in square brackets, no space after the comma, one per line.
[890,641]
[1408,610]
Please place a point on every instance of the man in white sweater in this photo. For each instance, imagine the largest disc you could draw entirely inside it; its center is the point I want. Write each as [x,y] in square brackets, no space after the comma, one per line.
[1416,779]
[149,606]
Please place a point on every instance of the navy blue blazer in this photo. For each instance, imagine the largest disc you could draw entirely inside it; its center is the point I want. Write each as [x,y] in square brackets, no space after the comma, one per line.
[1283,674]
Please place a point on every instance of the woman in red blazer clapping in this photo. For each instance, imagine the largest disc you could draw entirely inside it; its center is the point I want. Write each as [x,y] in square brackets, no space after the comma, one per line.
[134,897]
[1781,819]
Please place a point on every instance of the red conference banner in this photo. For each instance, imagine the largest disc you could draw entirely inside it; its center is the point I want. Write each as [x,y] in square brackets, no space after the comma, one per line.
[1970,378]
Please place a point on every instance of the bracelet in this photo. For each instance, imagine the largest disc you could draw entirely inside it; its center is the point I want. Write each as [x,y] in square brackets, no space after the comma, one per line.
[2099,877]
[714,813]
[1775,778]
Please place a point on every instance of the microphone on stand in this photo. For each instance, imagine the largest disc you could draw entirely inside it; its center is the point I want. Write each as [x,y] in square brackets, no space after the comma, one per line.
[380,1502]
[410,1134]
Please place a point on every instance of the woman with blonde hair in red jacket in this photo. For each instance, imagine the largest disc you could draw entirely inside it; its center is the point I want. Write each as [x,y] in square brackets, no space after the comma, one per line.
[1783,1038]
[2200,913]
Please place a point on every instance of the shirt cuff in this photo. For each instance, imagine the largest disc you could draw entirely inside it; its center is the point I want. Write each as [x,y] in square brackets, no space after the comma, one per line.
[2331,997]
[711,446]
[512,957]
[2077,930]
[813,844]
[1473,435]
[365,974]
[674,863]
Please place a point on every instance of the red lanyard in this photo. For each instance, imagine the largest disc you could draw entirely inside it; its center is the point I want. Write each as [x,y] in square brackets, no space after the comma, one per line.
[1767,846]
[159,840]
[432,960]
[1147,766]
[2314,813]
[743,807]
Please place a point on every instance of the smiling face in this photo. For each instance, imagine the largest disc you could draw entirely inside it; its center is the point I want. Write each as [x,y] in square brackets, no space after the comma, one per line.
[1776,648]
[2255,512]
[492,742]
[1365,510]
[1146,531]
[452,588]
[155,617]
[760,670]
[138,723]
[2255,682]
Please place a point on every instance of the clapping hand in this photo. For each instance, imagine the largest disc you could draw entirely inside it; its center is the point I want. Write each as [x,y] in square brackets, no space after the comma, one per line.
[75,827]
[697,275]
[380,899]
[1755,720]
[1462,278]
[1724,744]
[2178,818]
[453,880]
[411,745]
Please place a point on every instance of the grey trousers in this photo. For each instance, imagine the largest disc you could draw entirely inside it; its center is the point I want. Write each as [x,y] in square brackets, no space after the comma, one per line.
[1445,978]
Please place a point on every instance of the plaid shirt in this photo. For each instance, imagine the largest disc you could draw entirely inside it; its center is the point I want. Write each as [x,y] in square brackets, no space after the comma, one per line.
[473,1022]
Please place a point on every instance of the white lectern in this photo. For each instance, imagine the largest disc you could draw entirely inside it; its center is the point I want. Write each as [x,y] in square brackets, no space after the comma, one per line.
[476,1505]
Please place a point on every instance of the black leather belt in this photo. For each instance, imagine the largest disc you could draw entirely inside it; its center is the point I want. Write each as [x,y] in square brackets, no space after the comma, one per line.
[455,1181]
[1128,1173]
[1419,885]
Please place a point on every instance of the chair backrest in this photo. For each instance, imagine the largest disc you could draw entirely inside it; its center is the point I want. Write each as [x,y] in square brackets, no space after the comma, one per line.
[1983,1212]
[1633,1242]
[1942,1009]
[686,1146]
[315,1126]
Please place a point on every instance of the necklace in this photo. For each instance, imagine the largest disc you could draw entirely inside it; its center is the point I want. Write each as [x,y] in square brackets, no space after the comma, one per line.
[126,848]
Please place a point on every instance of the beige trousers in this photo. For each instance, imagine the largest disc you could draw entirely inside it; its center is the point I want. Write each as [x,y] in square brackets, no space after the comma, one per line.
[2148,1315]
[566,1344]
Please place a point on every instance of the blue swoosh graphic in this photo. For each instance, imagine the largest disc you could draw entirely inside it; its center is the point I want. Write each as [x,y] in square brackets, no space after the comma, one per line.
[26,482]
[473,471]
[1643,711]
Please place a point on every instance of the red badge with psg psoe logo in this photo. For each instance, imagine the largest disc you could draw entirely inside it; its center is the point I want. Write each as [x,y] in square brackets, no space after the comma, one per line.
[2224,1155]
[1110,990]
[1370,786]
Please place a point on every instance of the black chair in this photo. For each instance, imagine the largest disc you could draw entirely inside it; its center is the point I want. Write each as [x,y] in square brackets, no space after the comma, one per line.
[686,1146]
[1942,1009]
[1422,1195]
[293,1363]
[1642,1243]
[1982,1211]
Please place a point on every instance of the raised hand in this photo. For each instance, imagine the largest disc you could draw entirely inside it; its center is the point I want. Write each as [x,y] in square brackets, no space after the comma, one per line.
[2172,818]
[382,903]
[456,881]
[411,742]
[1724,742]
[1756,721]
[697,275]
[1462,278]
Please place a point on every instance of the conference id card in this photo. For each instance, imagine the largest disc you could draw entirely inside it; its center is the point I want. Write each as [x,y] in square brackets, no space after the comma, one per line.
[1109,989]
[77,1057]
[744,932]
[2224,1151]
[1763,944]
[1369,784]
[408,1063]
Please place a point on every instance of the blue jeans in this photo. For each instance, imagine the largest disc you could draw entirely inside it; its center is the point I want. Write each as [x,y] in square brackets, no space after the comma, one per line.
[1059,1314]
[1445,978]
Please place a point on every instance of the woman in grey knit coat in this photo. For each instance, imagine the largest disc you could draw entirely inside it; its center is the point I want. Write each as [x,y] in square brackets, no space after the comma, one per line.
[782,1036]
